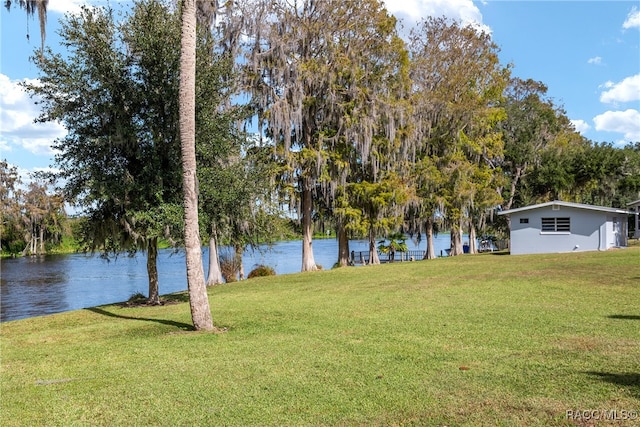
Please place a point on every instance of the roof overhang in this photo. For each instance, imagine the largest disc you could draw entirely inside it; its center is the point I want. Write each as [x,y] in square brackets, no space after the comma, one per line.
[569,205]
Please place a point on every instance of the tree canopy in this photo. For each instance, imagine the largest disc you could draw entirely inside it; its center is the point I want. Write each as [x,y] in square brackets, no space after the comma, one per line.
[355,127]
[116,91]
[324,77]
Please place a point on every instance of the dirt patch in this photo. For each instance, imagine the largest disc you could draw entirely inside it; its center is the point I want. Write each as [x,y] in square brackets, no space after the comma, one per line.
[580,343]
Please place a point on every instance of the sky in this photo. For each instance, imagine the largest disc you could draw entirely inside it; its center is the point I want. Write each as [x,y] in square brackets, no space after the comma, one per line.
[586,52]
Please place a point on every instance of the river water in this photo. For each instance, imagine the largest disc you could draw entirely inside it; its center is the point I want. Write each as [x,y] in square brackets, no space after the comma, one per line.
[36,286]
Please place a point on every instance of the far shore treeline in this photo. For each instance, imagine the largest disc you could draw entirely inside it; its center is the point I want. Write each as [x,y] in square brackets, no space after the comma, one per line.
[323,114]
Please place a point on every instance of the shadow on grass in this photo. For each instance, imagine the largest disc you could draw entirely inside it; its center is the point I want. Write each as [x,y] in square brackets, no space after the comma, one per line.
[180,325]
[627,380]
[624,316]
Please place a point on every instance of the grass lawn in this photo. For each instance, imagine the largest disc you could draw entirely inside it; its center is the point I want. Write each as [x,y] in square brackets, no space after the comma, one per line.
[470,340]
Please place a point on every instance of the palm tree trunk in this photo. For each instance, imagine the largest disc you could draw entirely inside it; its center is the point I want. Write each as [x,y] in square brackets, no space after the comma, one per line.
[198,298]
[152,271]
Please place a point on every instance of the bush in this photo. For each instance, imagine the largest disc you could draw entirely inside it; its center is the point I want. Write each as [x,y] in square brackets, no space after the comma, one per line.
[229,267]
[261,271]
[136,300]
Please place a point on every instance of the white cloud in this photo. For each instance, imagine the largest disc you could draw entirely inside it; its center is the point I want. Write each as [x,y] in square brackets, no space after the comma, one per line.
[64,6]
[633,19]
[17,115]
[625,91]
[412,11]
[597,60]
[74,6]
[624,122]
[580,125]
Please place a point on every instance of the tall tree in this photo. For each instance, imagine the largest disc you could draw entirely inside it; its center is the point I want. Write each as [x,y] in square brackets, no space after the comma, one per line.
[233,173]
[198,298]
[457,80]
[217,140]
[199,303]
[530,125]
[321,74]
[116,92]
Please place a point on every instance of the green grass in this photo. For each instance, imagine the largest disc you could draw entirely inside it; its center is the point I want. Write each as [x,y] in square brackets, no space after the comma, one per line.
[471,340]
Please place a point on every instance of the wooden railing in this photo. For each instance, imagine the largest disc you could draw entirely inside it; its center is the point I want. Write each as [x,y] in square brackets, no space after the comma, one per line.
[362,257]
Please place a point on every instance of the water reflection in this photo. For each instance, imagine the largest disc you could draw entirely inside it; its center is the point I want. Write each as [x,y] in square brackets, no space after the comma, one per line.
[35,286]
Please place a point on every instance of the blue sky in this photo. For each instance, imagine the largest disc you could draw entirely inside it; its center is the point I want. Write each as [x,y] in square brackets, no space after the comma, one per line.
[586,52]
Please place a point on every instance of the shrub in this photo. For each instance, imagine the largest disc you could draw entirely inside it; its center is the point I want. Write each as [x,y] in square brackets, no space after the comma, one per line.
[135,300]
[261,271]
[229,267]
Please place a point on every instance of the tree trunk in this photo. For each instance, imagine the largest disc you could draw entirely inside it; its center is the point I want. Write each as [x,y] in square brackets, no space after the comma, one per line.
[373,251]
[152,271]
[343,247]
[238,254]
[514,184]
[431,250]
[41,250]
[456,240]
[308,262]
[33,243]
[215,274]
[198,298]
[25,251]
[472,239]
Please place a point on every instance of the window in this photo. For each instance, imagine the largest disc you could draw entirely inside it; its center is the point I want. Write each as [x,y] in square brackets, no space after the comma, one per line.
[524,220]
[556,224]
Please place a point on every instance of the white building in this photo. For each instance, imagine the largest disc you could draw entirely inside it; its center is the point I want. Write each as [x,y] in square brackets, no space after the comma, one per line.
[566,227]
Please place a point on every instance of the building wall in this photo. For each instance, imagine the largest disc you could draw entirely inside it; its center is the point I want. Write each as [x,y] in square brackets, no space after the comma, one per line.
[590,231]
